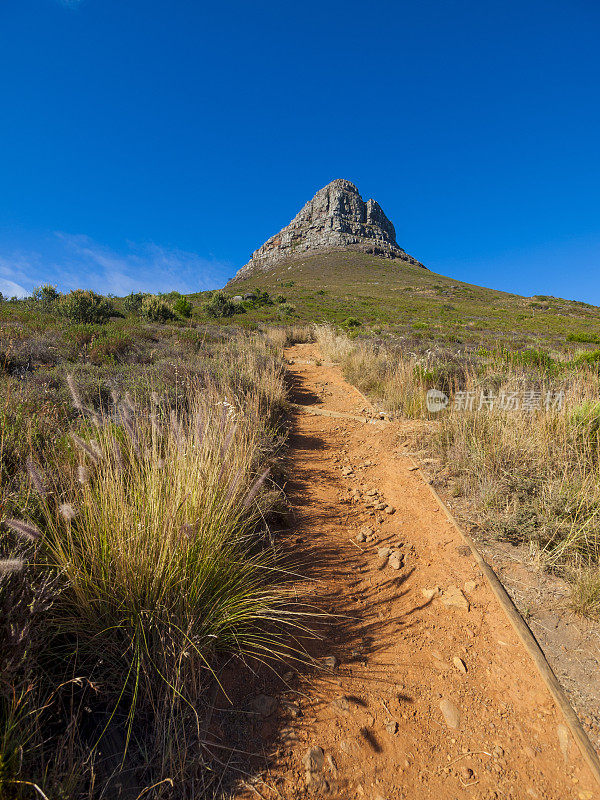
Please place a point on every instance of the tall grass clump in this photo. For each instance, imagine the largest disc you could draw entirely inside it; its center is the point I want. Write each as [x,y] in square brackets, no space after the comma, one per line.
[533,476]
[156,535]
[282,337]
[333,345]
[158,544]
[399,379]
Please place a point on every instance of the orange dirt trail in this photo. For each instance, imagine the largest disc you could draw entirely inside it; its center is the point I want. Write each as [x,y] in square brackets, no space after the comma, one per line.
[402,654]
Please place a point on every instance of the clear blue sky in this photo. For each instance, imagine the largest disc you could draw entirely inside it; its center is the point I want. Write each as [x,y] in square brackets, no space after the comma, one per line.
[155,144]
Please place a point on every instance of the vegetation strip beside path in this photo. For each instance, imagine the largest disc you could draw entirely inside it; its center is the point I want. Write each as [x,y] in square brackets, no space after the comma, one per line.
[426,690]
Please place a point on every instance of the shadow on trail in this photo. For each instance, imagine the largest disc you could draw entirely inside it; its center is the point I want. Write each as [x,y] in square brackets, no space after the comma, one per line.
[298,393]
[349,627]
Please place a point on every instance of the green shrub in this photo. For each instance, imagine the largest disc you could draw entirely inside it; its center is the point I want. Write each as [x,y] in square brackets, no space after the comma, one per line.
[84,305]
[182,307]
[593,357]
[286,309]
[257,298]
[280,298]
[132,304]
[77,337]
[164,564]
[171,297]
[156,309]
[530,358]
[352,322]
[591,338]
[221,306]
[109,348]
[585,418]
[46,295]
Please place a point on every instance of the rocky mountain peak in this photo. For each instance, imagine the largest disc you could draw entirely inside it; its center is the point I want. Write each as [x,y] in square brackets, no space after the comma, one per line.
[337,218]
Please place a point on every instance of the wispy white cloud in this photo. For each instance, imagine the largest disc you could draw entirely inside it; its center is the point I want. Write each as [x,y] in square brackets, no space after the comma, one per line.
[77,261]
[14,275]
[12,289]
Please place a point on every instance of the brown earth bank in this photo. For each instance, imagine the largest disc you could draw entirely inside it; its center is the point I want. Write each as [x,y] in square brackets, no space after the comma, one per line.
[425,690]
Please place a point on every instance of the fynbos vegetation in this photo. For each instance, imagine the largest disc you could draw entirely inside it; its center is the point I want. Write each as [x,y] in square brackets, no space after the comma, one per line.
[136,555]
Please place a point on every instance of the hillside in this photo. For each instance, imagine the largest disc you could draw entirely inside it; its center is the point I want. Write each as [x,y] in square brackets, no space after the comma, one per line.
[370,292]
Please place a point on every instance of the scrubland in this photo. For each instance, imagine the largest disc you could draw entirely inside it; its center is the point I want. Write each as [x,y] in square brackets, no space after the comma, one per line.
[140,445]
[139,492]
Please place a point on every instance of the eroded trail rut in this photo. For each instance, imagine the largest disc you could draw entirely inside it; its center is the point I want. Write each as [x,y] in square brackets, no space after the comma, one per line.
[432,694]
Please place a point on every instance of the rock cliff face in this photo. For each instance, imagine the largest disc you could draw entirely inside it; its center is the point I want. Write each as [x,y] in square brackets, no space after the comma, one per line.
[336,218]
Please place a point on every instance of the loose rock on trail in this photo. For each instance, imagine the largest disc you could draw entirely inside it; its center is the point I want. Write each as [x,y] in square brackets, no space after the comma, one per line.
[425,691]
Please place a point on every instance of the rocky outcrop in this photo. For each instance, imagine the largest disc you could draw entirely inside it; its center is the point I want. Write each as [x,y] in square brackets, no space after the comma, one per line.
[336,218]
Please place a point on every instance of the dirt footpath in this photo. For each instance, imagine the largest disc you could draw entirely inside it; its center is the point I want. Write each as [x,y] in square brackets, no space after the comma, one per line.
[427,692]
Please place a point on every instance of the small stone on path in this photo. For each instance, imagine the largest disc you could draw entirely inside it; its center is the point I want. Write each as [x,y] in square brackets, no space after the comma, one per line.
[292,708]
[455,598]
[460,665]
[563,740]
[264,705]
[341,703]
[350,747]
[451,714]
[314,758]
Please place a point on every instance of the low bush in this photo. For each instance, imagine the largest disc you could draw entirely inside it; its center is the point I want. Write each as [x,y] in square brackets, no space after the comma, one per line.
[45,296]
[182,307]
[84,305]
[593,357]
[534,358]
[109,347]
[156,309]
[591,338]
[132,304]
[257,299]
[286,309]
[220,305]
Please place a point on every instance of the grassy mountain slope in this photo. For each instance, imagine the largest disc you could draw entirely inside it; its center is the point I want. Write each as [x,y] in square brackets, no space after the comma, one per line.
[391,295]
